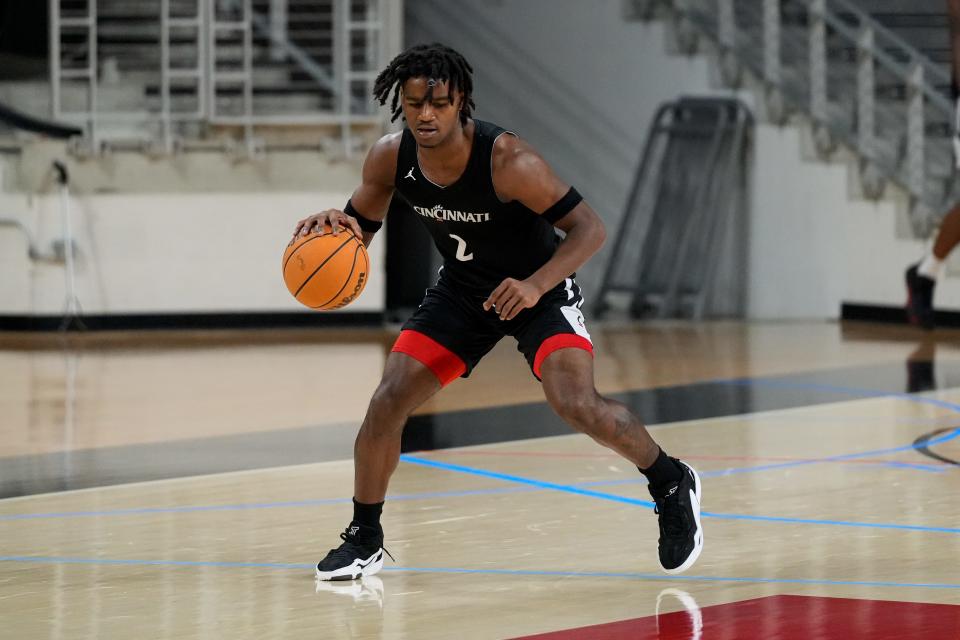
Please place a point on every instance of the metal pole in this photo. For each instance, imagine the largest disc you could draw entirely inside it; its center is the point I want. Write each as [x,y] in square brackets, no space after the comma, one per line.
[341,66]
[278,28]
[629,210]
[248,72]
[200,66]
[165,75]
[92,62]
[818,60]
[55,57]
[916,165]
[374,44]
[866,102]
[698,213]
[726,24]
[210,44]
[771,42]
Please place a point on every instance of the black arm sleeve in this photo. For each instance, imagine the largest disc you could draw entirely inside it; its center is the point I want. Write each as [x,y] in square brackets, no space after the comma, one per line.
[366,224]
[563,206]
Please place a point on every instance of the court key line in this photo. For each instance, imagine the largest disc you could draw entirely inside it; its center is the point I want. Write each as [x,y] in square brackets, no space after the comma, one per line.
[552,486]
[467,453]
[950,435]
[532,485]
[463,570]
[829,388]
[646,503]
[740,381]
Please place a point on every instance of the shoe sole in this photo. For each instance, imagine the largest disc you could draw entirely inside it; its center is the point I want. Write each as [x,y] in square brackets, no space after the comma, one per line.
[358,569]
[698,538]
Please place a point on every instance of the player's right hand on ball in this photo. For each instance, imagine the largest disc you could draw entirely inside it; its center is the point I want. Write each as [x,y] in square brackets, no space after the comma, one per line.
[318,222]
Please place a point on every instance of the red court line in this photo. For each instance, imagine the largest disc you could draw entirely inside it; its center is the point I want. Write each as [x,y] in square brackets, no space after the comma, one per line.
[553,454]
[782,617]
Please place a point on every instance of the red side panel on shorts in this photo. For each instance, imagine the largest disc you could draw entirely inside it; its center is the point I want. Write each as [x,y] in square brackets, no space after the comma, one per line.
[445,364]
[559,341]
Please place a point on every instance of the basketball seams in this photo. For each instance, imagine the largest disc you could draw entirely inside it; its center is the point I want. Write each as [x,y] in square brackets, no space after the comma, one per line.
[332,268]
[366,266]
[320,266]
[297,248]
[310,239]
[347,280]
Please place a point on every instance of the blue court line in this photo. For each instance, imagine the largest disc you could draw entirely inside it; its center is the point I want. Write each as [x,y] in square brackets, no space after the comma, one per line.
[521,480]
[946,437]
[929,468]
[950,435]
[833,523]
[954,433]
[916,467]
[533,485]
[458,570]
[718,473]
[738,381]
[332,501]
[828,388]
[646,503]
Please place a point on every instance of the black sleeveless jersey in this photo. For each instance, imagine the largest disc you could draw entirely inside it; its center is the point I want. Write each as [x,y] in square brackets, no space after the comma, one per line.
[482,239]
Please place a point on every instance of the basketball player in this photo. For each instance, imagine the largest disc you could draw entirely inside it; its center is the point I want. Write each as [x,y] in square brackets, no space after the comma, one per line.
[922,277]
[492,205]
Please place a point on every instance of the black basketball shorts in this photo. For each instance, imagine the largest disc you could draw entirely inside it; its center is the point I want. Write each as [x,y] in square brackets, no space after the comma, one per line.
[451,332]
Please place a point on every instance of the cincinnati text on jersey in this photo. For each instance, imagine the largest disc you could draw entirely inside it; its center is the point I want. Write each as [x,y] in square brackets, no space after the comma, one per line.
[441,214]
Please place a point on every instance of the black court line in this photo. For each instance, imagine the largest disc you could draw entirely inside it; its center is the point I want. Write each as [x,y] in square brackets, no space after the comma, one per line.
[921,446]
[32,474]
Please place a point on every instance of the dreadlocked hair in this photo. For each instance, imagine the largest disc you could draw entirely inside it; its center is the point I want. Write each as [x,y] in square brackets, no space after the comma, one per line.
[435,61]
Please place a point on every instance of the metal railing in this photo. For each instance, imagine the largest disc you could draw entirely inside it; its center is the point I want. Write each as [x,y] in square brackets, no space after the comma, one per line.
[672,253]
[860,84]
[160,71]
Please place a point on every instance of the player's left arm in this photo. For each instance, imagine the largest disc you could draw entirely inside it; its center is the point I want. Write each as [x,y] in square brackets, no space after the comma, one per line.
[520,173]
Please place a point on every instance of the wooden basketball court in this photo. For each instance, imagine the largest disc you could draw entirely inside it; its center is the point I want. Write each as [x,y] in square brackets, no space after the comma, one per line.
[185,487]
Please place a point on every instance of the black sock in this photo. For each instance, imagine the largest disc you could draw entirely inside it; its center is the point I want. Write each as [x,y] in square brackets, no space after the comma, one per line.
[663,471]
[367,515]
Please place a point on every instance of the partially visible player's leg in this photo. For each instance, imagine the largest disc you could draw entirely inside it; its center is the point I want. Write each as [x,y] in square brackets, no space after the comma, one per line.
[443,340]
[405,385]
[921,278]
[567,376]
[948,235]
[554,338]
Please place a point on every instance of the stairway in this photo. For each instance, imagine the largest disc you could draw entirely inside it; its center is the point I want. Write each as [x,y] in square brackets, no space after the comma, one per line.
[865,87]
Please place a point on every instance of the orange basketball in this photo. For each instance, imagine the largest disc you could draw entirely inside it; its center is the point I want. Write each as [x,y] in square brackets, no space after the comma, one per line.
[326,271]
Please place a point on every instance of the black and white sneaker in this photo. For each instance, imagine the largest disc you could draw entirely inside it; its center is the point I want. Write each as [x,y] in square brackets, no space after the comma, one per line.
[681,536]
[361,554]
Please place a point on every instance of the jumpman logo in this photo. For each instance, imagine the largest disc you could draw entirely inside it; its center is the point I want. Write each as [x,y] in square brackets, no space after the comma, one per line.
[410,175]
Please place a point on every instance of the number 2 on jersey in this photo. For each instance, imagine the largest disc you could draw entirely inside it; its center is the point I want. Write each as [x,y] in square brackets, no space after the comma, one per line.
[462,254]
